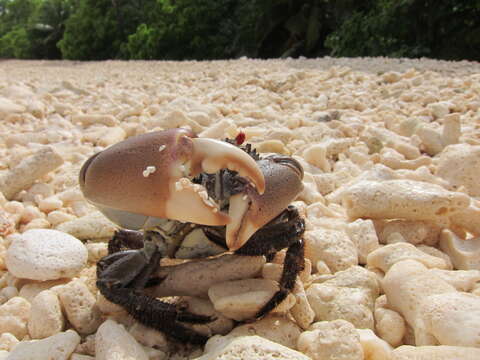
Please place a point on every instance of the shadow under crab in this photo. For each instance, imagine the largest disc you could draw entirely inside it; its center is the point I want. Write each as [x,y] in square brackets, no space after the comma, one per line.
[263,224]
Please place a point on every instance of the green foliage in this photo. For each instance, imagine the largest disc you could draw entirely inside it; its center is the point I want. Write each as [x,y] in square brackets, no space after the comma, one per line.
[446,29]
[47,26]
[15,44]
[14,16]
[216,29]
[185,29]
[142,44]
[92,32]
[32,28]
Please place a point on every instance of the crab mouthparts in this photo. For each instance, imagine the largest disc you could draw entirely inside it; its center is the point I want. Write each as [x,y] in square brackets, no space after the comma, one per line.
[190,202]
[197,206]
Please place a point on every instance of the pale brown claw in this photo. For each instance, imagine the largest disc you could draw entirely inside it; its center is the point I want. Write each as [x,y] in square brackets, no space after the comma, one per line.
[149,175]
[250,211]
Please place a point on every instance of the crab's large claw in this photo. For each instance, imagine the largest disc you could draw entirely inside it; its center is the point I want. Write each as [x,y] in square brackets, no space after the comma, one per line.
[148,177]
[250,210]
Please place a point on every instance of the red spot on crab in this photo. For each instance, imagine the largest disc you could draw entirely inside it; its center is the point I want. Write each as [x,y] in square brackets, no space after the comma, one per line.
[240,138]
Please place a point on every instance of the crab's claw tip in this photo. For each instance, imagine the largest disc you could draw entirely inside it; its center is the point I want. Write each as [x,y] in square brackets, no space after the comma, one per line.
[211,155]
[239,229]
[250,211]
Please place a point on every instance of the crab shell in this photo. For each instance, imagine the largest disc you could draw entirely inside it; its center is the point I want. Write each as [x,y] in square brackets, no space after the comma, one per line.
[141,181]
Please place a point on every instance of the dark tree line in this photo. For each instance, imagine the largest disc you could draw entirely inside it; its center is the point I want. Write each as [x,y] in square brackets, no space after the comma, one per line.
[219,29]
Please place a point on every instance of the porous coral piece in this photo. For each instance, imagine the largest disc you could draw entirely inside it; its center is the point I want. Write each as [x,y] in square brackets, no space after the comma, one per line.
[468,219]
[32,289]
[242,299]
[405,199]
[462,280]
[46,318]
[407,283]
[93,119]
[389,324]
[56,347]
[331,340]
[459,165]
[435,352]
[248,347]
[79,305]
[431,139]
[449,319]
[88,227]
[373,347]
[8,341]
[277,328]
[44,254]
[148,336]
[332,246]
[113,342]
[465,254]
[347,295]
[414,232]
[14,316]
[28,170]
[363,235]
[385,257]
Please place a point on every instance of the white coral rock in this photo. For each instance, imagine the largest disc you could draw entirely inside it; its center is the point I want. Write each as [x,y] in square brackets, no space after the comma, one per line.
[401,199]
[113,342]
[331,340]
[43,254]
[277,328]
[242,299]
[56,347]
[14,316]
[46,318]
[407,284]
[385,257]
[450,319]
[374,348]
[333,247]
[459,165]
[79,305]
[247,347]
[442,352]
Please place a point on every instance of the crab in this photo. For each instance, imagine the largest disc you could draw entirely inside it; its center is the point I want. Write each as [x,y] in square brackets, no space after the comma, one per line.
[161,186]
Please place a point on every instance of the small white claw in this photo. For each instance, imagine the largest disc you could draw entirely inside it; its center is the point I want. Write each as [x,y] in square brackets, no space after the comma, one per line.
[241,226]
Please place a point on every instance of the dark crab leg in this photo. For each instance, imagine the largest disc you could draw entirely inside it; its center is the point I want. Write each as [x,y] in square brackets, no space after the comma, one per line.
[121,278]
[157,314]
[125,240]
[285,231]
[294,263]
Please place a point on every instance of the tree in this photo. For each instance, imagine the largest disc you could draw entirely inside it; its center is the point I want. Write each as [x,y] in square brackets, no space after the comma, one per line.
[47,27]
[446,29]
[14,17]
[97,30]
[186,29]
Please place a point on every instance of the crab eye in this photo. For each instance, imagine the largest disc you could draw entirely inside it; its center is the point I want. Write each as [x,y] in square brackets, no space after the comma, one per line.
[290,162]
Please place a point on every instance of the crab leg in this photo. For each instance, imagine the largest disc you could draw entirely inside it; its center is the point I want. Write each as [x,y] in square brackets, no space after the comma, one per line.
[285,231]
[121,277]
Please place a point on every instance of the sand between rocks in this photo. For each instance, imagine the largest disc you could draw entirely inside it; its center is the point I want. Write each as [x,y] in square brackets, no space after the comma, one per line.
[391,152]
